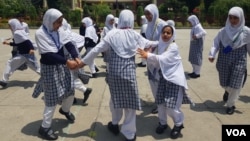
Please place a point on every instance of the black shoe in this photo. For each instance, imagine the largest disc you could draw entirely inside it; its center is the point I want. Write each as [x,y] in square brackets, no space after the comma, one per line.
[189,74]
[113,128]
[96,69]
[23,67]
[75,101]
[134,139]
[155,110]
[94,75]
[161,128]
[141,65]
[68,115]
[230,110]
[225,96]
[3,84]
[86,95]
[176,131]
[193,75]
[47,133]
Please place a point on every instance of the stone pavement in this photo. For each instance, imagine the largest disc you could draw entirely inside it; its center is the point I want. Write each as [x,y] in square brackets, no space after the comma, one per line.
[21,115]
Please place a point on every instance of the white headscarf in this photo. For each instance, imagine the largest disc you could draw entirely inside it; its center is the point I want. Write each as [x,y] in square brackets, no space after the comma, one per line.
[18,31]
[124,40]
[90,30]
[108,18]
[116,20]
[77,39]
[238,35]
[47,39]
[170,61]
[153,33]
[196,26]
[162,44]
[233,32]
[171,22]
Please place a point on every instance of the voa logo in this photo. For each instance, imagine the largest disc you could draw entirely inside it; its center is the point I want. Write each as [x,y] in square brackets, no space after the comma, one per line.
[236,132]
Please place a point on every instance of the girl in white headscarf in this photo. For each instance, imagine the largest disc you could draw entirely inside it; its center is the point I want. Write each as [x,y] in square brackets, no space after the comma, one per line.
[231,43]
[55,77]
[153,33]
[123,43]
[171,93]
[197,35]
[170,22]
[26,52]
[78,40]
[109,25]
[91,39]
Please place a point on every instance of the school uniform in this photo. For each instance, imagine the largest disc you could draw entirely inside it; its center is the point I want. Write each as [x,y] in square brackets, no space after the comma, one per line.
[24,45]
[91,39]
[196,45]
[106,29]
[231,45]
[56,79]
[153,33]
[122,72]
[78,42]
[168,70]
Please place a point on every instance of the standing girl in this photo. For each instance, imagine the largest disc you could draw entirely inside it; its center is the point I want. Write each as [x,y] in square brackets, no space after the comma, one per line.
[123,43]
[168,68]
[153,33]
[231,43]
[197,35]
[109,25]
[56,78]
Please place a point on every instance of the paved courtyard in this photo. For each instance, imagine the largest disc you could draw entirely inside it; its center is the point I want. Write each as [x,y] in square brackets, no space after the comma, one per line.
[21,115]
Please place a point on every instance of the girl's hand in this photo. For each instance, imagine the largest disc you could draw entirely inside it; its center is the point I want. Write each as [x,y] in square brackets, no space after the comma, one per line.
[72,64]
[78,60]
[82,64]
[6,43]
[144,54]
[32,52]
[211,59]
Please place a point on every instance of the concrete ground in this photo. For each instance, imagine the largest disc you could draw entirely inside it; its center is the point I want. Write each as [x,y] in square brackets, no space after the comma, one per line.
[21,115]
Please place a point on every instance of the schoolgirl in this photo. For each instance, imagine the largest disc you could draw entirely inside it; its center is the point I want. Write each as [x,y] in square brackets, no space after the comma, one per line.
[153,33]
[56,78]
[197,37]
[231,45]
[123,43]
[78,41]
[91,39]
[168,68]
[109,25]
[26,52]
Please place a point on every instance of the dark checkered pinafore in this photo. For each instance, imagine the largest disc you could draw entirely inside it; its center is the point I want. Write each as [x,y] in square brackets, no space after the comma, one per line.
[195,51]
[56,82]
[167,92]
[122,82]
[232,67]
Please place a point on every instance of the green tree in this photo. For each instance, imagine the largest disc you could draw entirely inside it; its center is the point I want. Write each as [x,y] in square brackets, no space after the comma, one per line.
[100,11]
[220,9]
